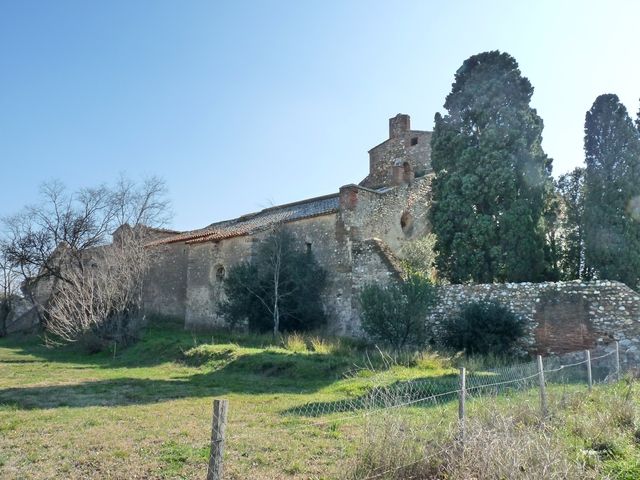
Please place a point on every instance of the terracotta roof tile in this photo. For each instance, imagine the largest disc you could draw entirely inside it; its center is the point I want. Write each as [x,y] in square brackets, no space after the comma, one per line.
[255,222]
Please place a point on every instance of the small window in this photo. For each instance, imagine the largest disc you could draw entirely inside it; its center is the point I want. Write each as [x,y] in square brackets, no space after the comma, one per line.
[308,247]
[220,273]
[414,141]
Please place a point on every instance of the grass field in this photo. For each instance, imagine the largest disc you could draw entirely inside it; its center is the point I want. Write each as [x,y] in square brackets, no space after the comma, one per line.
[145,412]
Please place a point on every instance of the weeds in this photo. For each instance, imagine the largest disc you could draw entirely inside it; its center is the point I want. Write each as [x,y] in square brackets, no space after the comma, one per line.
[588,436]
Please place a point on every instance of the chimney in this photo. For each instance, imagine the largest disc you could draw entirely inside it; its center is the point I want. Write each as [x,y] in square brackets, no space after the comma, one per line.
[399,124]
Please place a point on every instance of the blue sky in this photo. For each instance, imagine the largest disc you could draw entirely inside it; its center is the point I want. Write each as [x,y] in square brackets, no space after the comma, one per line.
[240,105]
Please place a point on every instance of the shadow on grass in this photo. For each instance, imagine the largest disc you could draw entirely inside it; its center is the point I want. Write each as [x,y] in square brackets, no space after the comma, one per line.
[160,343]
[425,392]
[430,392]
[253,373]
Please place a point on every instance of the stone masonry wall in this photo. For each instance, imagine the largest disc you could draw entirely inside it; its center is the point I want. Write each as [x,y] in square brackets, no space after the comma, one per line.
[319,235]
[560,317]
[165,286]
[396,216]
[412,147]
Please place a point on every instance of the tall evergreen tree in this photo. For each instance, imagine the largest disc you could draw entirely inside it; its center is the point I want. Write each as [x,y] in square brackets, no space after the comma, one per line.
[612,192]
[570,190]
[492,176]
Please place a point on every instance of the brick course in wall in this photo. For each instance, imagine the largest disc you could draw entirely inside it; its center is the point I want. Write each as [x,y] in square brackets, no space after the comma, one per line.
[559,317]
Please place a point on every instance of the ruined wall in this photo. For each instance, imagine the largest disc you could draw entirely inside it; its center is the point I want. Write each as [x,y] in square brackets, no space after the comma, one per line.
[207,267]
[396,216]
[187,279]
[560,317]
[402,157]
[22,317]
[318,235]
[165,285]
[331,250]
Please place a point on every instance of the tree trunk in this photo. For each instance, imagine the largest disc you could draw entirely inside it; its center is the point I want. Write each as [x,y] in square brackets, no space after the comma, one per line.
[5,309]
[276,319]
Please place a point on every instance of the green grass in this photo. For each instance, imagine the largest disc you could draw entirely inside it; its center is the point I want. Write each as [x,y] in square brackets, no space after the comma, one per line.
[146,412]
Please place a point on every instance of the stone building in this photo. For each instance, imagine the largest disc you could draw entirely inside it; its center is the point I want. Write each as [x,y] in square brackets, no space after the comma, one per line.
[356,234]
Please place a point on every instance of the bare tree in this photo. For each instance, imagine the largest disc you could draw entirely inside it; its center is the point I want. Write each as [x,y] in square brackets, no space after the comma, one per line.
[78,281]
[278,289]
[9,285]
[104,297]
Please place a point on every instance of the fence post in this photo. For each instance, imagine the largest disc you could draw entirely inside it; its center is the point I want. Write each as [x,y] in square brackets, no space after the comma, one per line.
[617,361]
[589,377]
[461,400]
[217,440]
[543,392]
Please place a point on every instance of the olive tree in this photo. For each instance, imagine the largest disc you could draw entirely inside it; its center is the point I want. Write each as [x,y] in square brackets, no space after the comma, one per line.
[396,314]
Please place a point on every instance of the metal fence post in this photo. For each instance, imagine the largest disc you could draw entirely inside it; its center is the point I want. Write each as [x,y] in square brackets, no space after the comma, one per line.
[217,440]
[543,392]
[617,361]
[461,400]
[589,377]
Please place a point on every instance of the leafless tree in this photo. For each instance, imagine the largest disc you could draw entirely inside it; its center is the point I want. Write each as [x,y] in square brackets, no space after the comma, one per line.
[9,285]
[104,297]
[93,285]
[279,288]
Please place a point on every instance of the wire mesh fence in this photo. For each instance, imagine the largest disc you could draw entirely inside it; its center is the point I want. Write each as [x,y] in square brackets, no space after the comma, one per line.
[432,402]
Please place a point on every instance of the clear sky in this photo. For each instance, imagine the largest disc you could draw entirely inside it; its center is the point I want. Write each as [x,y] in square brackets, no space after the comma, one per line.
[240,105]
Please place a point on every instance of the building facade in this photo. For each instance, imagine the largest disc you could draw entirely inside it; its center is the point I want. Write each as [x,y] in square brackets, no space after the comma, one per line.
[356,234]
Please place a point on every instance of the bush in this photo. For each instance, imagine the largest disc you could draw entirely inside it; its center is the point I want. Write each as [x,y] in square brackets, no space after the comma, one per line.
[396,314]
[418,256]
[484,327]
[278,290]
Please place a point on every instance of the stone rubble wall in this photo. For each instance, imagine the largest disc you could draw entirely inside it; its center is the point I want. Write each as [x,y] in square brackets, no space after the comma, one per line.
[560,317]
[22,317]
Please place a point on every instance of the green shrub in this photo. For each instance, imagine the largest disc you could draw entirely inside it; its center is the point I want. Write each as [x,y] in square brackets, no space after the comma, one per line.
[484,327]
[396,314]
[278,290]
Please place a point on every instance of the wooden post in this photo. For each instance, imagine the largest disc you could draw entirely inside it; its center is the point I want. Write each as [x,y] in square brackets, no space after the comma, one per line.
[617,361]
[461,400]
[217,440]
[543,392]
[589,377]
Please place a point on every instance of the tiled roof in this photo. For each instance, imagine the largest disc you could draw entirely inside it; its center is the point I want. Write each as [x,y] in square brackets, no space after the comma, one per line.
[255,222]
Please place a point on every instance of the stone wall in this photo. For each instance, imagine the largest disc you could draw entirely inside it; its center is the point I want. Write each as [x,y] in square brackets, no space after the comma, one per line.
[207,266]
[395,216]
[360,244]
[560,317]
[208,263]
[22,317]
[406,154]
[165,286]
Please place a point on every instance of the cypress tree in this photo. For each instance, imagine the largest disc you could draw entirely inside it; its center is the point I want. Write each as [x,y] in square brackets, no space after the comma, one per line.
[492,176]
[612,192]
[570,188]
